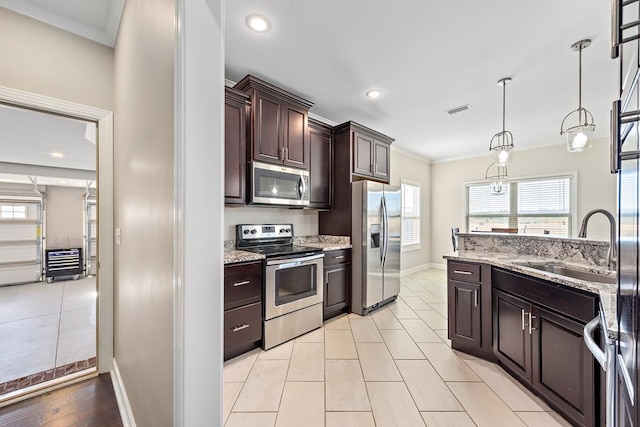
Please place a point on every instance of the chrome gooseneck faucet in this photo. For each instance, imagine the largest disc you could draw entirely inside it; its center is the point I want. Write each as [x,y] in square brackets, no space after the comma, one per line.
[613,249]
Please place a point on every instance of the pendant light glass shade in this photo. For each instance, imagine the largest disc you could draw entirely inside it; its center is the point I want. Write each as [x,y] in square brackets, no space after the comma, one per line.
[502,142]
[496,174]
[578,136]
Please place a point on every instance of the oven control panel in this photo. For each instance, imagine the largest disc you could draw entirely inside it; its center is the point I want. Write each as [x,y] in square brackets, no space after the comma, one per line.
[262,231]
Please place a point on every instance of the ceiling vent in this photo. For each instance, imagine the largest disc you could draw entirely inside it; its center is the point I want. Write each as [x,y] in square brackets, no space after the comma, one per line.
[459,109]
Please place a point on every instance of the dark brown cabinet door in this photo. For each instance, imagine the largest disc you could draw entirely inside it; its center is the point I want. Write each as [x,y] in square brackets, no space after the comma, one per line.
[320,169]
[363,147]
[267,129]
[295,138]
[381,166]
[242,329]
[337,279]
[511,339]
[236,115]
[563,367]
[464,312]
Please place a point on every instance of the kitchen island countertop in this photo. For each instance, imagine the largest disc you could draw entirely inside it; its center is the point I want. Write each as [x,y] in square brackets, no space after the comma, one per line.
[510,261]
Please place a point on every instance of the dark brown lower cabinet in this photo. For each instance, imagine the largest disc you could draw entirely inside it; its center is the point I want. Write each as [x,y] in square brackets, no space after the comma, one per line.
[242,307]
[465,323]
[537,337]
[337,280]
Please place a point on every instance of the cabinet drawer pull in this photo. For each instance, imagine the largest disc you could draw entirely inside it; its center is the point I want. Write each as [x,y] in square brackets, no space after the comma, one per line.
[530,323]
[246,282]
[466,273]
[239,328]
[522,310]
[475,297]
[338,257]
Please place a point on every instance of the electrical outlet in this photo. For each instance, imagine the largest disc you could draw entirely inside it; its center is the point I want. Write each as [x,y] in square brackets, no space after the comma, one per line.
[117,236]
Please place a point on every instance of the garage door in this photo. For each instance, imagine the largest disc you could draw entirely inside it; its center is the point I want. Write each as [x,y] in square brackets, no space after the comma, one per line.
[20,241]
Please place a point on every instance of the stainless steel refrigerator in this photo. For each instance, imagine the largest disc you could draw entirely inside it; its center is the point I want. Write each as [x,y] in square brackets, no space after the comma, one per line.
[625,157]
[376,224]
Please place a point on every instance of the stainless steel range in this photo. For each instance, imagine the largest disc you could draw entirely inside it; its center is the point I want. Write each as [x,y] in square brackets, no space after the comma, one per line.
[293,288]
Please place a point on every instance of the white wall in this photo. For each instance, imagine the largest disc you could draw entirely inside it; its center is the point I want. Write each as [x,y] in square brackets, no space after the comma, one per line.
[65,217]
[144,207]
[42,59]
[596,187]
[411,168]
[305,221]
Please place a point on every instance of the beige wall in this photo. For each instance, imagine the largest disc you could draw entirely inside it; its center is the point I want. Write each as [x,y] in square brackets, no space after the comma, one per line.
[596,187]
[408,167]
[143,159]
[42,59]
[305,221]
[65,217]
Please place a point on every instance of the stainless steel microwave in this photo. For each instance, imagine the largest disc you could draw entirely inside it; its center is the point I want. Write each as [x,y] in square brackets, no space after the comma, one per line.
[278,185]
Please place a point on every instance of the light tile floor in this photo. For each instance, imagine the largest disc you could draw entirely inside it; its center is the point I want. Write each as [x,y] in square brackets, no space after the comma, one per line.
[393,367]
[45,325]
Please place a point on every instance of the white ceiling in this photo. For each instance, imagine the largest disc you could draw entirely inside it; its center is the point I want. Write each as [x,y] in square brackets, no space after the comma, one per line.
[96,20]
[428,57]
[28,138]
[425,56]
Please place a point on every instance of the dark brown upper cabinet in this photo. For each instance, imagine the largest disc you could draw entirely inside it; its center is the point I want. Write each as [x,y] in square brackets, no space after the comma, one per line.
[370,151]
[279,124]
[321,166]
[236,128]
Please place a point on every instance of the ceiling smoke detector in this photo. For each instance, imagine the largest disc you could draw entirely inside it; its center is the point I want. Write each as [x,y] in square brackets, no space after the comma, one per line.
[459,109]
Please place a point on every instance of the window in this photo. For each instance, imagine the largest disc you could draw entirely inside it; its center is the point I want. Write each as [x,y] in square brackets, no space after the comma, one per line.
[532,206]
[410,215]
[13,212]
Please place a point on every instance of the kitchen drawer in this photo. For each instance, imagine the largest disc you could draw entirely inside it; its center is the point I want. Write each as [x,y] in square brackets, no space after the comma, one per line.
[242,284]
[570,302]
[341,256]
[463,271]
[242,327]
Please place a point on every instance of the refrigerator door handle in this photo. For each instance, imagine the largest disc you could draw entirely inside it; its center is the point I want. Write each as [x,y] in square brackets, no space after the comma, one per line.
[385,227]
[382,232]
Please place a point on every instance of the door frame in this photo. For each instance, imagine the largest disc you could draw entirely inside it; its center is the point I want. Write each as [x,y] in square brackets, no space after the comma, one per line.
[104,196]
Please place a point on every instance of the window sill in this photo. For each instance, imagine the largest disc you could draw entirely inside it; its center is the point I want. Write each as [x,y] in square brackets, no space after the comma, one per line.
[412,247]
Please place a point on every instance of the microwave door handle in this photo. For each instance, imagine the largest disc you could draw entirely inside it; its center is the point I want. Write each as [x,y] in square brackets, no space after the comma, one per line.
[301,187]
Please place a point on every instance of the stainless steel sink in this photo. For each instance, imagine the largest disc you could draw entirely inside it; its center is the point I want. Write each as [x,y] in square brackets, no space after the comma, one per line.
[564,270]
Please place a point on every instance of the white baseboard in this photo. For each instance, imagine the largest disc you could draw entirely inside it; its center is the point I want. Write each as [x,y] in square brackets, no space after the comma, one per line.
[438,266]
[409,271]
[121,397]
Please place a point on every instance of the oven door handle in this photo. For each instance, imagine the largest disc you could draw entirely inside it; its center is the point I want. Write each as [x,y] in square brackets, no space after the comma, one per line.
[297,261]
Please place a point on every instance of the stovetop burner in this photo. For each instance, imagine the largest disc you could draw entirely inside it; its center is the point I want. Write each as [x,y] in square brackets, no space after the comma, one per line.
[279,250]
[270,240]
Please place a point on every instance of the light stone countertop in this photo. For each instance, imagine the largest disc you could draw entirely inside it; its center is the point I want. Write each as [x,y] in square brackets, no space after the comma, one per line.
[507,261]
[326,243]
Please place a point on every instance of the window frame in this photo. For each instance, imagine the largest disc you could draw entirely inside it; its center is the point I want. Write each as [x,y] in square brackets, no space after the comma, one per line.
[573,200]
[406,247]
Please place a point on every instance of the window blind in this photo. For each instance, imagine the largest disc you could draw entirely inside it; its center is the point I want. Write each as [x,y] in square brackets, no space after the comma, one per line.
[533,206]
[410,214]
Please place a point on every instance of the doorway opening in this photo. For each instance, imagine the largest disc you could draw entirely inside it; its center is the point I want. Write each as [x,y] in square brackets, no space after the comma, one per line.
[53,322]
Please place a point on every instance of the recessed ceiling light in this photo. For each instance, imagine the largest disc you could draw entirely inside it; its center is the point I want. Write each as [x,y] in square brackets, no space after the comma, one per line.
[258,23]
[373,93]
[63,182]
[57,155]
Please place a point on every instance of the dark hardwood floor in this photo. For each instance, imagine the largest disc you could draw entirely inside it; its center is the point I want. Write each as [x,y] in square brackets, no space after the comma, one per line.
[88,403]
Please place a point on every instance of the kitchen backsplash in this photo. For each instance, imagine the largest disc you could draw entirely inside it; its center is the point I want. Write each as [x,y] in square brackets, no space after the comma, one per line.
[574,250]
[302,240]
[305,221]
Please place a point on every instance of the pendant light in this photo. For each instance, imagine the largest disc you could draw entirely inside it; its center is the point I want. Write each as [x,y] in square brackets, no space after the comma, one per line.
[496,174]
[579,136]
[502,142]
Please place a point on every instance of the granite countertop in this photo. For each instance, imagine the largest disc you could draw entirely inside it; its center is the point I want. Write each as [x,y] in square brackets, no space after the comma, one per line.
[606,291]
[326,243]
[233,255]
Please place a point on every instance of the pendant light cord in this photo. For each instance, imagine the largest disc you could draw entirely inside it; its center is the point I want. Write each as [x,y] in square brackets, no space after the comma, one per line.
[580,85]
[504,97]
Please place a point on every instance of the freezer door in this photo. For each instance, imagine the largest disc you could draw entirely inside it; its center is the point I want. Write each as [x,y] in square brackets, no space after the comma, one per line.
[392,234]
[374,237]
